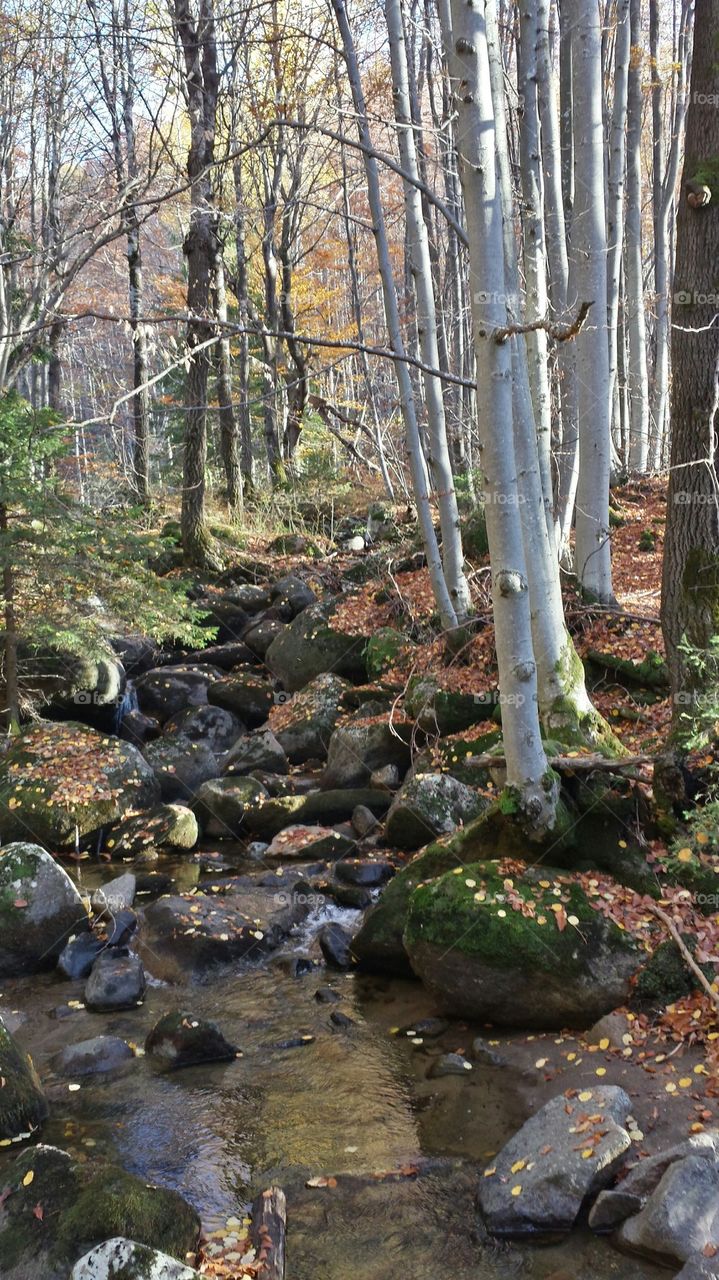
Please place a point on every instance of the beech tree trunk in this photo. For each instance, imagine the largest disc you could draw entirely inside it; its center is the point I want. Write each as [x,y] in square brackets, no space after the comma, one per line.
[636,325]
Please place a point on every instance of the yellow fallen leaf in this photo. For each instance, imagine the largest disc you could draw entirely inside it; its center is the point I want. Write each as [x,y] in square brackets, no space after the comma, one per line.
[604,1043]
[517,1191]
[518,1164]
[28,1178]
[585,1095]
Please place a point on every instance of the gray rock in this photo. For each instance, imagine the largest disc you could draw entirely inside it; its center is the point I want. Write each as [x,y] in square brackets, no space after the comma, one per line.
[358,748]
[93,1057]
[364,871]
[612,1207]
[165,691]
[291,595]
[430,805]
[120,1259]
[303,725]
[22,1102]
[40,908]
[246,694]
[364,821]
[700,1268]
[180,766]
[681,1217]
[115,895]
[260,750]
[117,981]
[311,645]
[448,1064]
[388,777]
[217,727]
[222,804]
[613,1027]
[260,635]
[335,945]
[309,842]
[167,826]
[183,1040]
[79,955]
[554,1177]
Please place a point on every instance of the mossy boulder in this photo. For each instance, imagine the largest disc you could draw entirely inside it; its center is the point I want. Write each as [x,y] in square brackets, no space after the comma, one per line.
[180,766]
[268,816]
[40,908]
[60,782]
[23,1106]
[169,826]
[455,754]
[438,710]
[222,804]
[303,724]
[315,642]
[363,745]
[384,649]
[474,534]
[665,977]
[518,950]
[246,694]
[181,1039]
[82,1206]
[164,692]
[427,806]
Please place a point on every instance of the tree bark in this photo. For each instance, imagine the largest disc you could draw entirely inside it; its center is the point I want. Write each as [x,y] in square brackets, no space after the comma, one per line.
[636,324]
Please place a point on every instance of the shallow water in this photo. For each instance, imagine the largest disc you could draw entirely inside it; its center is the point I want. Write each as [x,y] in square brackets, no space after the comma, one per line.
[353,1103]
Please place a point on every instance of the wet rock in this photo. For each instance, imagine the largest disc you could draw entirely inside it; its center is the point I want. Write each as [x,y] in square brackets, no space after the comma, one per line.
[309,842]
[294,1042]
[183,1040]
[167,826]
[270,816]
[93,1057]
[303,724]
[612,1207]
[222,805]
[426,1028]
[217,727]
[483,959]
[681,1217]
[341,1020]
[37,791]
[378,945]
[430,805]
[83,1204]
[259,750]
[325,995]
[358,748]
[349,895]
[364,871]
[139,728]
[22,1102]
[484,1053]
[700,1268]
[196,932]
[123,926]
[313,644]
[165,691]
[246,694]
[79,955]
[335,945]
[387,778]
[256,850]
[613,1027]
[180,766]
[40,908]
[115,895]
[259,637]
[225,656]
[364,821]
[117,981]
[449,1064]
[546,1161]
[120,1259]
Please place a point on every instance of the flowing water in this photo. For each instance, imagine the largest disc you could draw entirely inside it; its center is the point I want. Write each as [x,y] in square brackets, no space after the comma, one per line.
[353,1103]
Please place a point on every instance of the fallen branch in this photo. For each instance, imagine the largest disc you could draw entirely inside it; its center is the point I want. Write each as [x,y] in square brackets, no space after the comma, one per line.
[268,1231]
[560,332]
[568,764]
[686,954]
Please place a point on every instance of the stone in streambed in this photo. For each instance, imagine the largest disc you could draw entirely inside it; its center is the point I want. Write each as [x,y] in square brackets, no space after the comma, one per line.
[218,728]
[180,766]
[309,842]
[167,826]
[115,895]
[79,955]
[449,1064]
[183,1040]
[681,1216]
[40,908]
[303,724]
[117,982]
[245,694]
[22,1102]
[120,1259]
[366,872]
[430,805]
[362,745]
[538,1182]
[166,691]
[222,805]
[335,945]
[314,643]
[268,816]
[629,1197]
[93,1057]
[259,750]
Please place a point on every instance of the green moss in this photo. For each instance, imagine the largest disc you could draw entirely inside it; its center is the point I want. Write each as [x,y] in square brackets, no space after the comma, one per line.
[383,650]
[665,977]
[651,671]
[706,173]
[447,912]
[116,1204]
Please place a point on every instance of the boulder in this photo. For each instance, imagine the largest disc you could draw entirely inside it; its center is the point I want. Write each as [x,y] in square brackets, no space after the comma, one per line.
[246,694]
[384,649]
[22,1102]
[430,805]
[82,1205]
[368,872]
[138,728]
[359,747]
[165,691]
[183,1040]
[180,766]
[40,908]
[79,955]
[335,945]
[309,843]
[259,635]
[259,750]
[196,932]
[117,981]
[268,816]
[303,724]
[93,1057]
[488,947]
[120,1259]
[222,805]
[612,1207]
[226,617]
[700,1268]
[167,826]
[115,895]
[681,1217]
[312,644]
[61,782]
[291,595]
[67,679]
[570,1149]
[218,728]
[437,710]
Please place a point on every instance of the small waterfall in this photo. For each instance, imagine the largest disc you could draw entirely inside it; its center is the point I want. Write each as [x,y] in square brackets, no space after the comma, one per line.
[128,702]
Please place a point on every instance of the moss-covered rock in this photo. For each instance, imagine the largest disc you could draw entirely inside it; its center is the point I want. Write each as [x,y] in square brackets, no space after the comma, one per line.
[430,805]
[270,815]
[362,745]
[23,1106]
[665,976]
[60,782]
[83,1205]
[384,649]
[518,950]
[437,710]
[40,908]
[169,826]
[183,1040]
[315,643]
[303,724]
[222,804]
[455,754]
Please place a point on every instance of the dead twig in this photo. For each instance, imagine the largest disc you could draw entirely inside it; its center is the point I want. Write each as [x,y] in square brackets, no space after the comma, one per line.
[686,954]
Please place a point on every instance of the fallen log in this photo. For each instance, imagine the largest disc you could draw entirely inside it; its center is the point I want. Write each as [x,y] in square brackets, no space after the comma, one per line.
[568,764]
[268,1232]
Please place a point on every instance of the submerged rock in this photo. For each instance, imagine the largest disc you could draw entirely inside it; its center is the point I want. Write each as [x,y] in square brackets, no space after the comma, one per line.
[430,805]
[537,1183]
[120,1259]
[183,1040]
[448,1064]
[23,1106]
[93,1057]
[481,943]
[40,908]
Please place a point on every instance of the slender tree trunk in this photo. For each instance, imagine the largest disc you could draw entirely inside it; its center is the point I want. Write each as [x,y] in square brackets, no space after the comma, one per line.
[690,585]
[240,288]
[615,190]
[140,363]
[438,459]
[229,439]
[589,253]
[636,324]
[12,689]
[413,441]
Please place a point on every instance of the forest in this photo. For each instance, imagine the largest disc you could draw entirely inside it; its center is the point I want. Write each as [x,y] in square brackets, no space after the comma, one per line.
[359,639]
